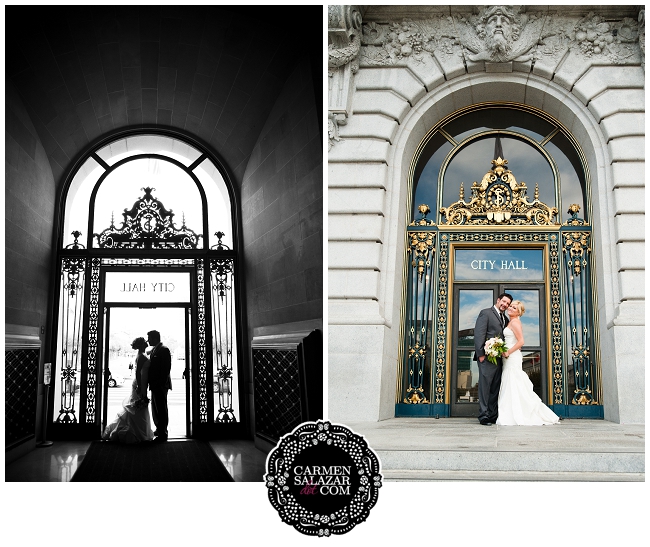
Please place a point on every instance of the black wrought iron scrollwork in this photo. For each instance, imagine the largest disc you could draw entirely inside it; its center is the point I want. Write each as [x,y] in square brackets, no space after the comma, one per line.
[148,225]
[220,246]
[223,335]
[93,335]
[203,365]
[75,244]
[71,318]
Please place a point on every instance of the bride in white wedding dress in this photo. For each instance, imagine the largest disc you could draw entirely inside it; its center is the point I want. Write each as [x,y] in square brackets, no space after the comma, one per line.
[518,403]
[133,423]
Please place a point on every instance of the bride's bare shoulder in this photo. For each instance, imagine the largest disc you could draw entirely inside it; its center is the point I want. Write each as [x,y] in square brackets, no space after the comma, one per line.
[515,323]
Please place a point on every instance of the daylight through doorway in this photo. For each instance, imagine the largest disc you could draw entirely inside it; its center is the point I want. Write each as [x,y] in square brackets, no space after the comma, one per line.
[128,323]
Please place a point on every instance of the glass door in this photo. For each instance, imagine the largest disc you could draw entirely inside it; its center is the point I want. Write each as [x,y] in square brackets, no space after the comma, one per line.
[534,352]
[469,300]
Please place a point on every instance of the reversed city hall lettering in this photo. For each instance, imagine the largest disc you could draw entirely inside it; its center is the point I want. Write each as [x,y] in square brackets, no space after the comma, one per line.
[142,287]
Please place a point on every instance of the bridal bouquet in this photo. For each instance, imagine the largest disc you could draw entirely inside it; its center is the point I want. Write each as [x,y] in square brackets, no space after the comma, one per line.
[495,348]
[142,402]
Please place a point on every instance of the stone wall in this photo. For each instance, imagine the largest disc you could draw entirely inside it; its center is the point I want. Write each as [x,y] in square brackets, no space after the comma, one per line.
[29,214]
[282,212]
[406,69]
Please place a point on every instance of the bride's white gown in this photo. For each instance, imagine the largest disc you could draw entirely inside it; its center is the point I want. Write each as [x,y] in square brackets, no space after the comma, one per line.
[131,425]
[518,403]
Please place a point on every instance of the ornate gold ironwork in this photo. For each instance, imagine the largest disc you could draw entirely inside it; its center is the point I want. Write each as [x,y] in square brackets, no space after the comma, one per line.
[499,199]
[416,396]
[574,209]
[420,288]
[421,248]
[442,311]
[577,245]
[423,221]
[557,361]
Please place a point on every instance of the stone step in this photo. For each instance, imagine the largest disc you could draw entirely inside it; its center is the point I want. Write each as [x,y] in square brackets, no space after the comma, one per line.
[406,475]
[512,461]
[461,449]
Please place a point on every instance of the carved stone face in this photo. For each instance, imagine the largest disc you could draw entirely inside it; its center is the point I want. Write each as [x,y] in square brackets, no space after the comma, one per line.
[498,31]
[499,23]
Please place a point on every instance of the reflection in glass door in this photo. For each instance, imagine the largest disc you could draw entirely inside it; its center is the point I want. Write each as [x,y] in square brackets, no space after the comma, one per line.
[534,351]
[469,300]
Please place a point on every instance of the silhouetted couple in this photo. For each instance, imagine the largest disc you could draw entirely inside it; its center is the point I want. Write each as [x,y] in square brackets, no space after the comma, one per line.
[133,422]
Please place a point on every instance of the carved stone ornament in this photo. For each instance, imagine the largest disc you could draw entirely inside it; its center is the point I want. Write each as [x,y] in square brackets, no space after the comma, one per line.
[499,200]
[642,36]
[344,30]
[503,34]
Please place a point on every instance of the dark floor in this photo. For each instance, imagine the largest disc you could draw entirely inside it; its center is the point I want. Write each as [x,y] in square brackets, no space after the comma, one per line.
[57,463]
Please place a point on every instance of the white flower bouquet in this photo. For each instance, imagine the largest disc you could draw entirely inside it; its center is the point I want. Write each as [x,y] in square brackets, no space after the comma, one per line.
[495,348]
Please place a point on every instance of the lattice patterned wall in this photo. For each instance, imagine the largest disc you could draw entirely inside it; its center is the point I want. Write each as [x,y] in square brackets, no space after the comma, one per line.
[278,401]
[21,394]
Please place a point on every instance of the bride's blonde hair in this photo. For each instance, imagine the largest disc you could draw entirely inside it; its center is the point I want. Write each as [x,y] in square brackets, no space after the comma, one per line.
[520,307]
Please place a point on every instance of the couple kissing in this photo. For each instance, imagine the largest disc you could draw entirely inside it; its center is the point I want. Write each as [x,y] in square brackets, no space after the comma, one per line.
[133,423]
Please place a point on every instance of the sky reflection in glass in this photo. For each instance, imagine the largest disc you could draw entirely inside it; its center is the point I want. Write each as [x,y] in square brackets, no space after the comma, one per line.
[475,160]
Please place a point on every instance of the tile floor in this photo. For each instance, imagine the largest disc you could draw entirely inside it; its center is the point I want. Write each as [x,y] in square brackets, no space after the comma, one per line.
[57,463]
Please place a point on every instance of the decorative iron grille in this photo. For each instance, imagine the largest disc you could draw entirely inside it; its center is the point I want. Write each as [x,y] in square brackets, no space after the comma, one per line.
[203,365]
[223,337]
[70,321]
[556,322]
[419,313]
[73,273]
[21,392]
[93,336]
[576,246]
[278,402]
[499,199]
[572,364]
[148,225]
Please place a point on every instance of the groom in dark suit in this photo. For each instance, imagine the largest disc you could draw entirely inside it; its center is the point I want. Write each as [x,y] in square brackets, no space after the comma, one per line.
[159,383]
[490,323]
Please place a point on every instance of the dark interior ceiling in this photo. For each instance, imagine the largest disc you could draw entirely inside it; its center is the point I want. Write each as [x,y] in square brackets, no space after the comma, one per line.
[215,72]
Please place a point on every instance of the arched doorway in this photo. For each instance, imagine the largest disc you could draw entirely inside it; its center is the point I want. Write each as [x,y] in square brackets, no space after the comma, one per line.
[498,237]
[174,249]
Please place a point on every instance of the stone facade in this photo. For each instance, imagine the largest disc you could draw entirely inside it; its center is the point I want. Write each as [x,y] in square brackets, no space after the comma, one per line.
[396,71]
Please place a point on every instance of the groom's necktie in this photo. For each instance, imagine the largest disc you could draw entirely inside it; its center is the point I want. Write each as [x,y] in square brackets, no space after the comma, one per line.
[503,320]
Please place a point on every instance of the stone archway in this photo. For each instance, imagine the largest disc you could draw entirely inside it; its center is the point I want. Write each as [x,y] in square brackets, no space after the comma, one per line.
[392,107]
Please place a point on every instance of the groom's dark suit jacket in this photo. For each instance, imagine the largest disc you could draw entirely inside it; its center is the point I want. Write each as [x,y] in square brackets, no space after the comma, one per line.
[487,326]
[161,365]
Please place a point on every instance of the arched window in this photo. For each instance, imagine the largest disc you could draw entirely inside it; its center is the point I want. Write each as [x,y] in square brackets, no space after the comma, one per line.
[146,220]
[500,203]
[540,152]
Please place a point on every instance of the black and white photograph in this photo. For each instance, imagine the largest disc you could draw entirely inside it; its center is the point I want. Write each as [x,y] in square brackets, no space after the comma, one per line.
[164,228]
